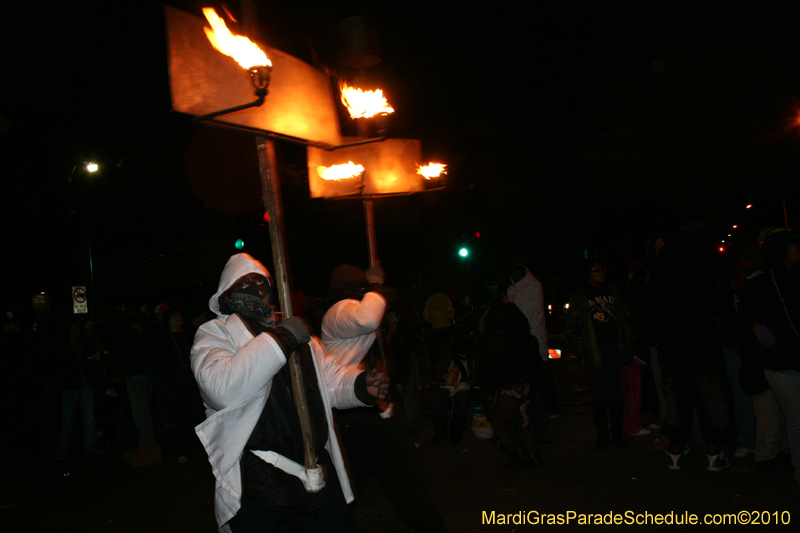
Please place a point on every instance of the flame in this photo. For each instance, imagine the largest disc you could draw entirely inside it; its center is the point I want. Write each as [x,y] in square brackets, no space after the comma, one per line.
[364,104]
[340,172]
[432,170]
[239,47]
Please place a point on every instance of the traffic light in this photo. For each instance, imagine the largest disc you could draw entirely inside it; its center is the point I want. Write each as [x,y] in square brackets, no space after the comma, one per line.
[463,252]
[239,244]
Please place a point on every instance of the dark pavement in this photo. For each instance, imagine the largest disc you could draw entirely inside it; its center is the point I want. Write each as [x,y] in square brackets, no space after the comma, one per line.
[101,494]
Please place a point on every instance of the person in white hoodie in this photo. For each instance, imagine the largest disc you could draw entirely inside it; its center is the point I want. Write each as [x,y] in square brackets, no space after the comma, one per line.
[252,431]
[377,443]
[526,293]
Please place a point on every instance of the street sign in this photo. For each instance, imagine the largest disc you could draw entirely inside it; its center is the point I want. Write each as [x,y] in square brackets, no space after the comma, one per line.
[80,305]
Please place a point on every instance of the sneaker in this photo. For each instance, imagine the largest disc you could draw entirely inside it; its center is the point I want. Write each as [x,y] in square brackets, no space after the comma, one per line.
[674,460]
[741,452]
[718,462]
[642,432]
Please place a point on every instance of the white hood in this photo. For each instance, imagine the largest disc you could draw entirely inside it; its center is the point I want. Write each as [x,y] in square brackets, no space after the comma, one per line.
[236,267]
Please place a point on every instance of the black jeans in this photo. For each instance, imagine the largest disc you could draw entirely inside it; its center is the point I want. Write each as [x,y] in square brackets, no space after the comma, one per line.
[690,387]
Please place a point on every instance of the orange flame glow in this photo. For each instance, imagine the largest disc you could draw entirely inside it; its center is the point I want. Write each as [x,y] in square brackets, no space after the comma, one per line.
[340,172]
[432,170]
[364,104]
[239,47]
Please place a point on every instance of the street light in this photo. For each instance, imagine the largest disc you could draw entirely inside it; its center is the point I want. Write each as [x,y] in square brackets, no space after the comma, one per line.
[89,167]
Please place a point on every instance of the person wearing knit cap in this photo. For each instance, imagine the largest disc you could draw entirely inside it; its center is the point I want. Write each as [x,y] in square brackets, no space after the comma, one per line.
[252,432]
[769,324]
[347,322]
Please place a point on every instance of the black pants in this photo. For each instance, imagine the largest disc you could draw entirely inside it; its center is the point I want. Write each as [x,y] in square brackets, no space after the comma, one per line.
[334,517]
[608,399]
[382,447]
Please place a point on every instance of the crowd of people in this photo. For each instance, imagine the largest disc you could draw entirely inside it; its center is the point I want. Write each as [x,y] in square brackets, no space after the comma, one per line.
[297,414]
[125,382]
[721,350]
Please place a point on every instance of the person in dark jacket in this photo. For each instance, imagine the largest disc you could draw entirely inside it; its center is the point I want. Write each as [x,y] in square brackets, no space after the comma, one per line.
[80,374]
[598,332]
[681,311]
[512,375]
[769,316]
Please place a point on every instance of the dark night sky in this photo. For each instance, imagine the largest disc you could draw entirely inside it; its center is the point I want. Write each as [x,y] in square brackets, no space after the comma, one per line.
[567,126]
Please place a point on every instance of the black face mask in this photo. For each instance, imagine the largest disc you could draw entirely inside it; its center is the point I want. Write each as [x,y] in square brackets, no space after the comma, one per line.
[251,300]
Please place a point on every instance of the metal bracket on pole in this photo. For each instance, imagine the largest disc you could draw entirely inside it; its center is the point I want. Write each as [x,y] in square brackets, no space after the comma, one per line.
[270,186]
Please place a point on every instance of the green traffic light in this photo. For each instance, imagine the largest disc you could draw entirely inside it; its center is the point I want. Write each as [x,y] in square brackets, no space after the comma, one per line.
[239,244]
[463,252]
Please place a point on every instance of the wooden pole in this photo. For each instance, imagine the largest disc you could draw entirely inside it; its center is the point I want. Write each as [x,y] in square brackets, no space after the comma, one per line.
[271,190]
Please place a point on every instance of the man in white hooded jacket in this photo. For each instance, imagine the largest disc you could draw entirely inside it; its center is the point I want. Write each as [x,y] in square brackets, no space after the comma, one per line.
[251,432]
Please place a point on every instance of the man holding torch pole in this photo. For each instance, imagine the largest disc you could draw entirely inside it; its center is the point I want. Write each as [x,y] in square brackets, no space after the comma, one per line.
[253,432]
[376,443]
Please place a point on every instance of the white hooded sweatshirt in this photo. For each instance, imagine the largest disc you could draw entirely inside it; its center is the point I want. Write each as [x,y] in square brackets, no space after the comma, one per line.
[234,372]
[527,294]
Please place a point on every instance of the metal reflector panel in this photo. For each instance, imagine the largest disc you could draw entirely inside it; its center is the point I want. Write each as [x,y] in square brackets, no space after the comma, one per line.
[390,167]
[300,102]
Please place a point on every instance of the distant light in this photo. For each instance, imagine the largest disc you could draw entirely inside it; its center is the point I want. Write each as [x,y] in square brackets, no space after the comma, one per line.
[730,235]
[550,306]
[477,234]
[566,306]
[721,248]
[723,240]
[92,167]
[41,293]
[239,244]
[463,252]
[735,226]
[748,206]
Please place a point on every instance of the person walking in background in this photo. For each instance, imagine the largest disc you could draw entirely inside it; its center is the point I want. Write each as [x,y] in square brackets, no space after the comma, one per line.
[183,400]
[598,332]
[742,271]
[80,374]
[681,308]
[769,319]
[526,293]
[511,374]
[652,397]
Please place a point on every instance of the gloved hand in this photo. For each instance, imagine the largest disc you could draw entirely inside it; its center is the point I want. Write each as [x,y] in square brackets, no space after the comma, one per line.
[765,337]
[377,384]
[298,328]
[376,274]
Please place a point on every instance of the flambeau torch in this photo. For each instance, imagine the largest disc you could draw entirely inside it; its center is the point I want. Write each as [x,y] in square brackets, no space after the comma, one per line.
[255,61]
[245,52]
[362,105]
